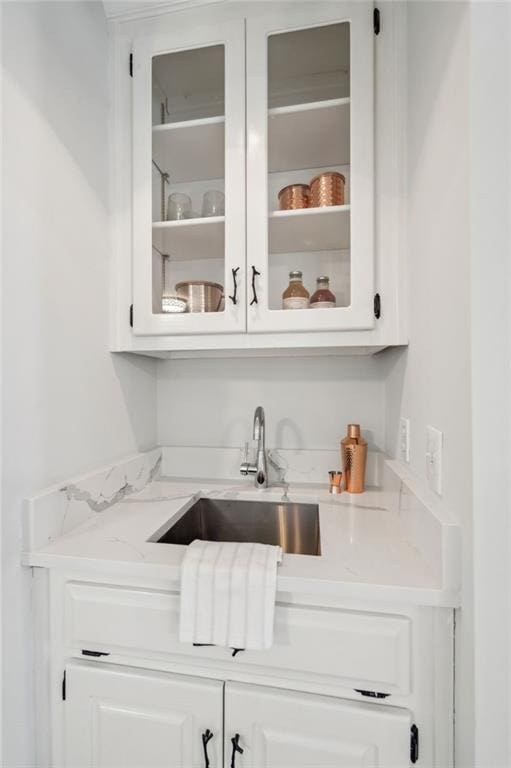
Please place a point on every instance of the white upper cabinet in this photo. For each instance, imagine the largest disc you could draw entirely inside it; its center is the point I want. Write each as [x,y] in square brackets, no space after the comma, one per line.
[189,180]
[310,112]
[229,105]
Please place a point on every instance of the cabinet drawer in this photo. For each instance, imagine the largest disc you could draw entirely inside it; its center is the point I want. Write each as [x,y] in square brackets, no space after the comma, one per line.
[358,650]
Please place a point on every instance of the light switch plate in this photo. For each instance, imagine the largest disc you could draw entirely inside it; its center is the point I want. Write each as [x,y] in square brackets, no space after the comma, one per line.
[434,441]
[404,439]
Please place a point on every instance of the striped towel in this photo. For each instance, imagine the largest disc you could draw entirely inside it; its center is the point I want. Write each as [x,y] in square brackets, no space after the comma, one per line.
[228,594]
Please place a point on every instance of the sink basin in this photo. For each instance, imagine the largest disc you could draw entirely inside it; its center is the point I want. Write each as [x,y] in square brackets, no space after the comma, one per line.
[294,526]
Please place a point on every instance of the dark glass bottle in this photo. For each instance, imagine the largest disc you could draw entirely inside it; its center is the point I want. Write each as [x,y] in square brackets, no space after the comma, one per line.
[322,298]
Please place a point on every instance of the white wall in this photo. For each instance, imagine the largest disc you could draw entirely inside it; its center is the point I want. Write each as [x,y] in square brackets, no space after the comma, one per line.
[68,404]
[490,231]
[308,401]
[430,382]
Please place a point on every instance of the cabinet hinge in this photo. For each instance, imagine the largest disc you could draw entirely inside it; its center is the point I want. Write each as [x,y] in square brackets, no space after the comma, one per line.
[372,694]
[64,686]
[95,654]
[131,315]
[377,306]
[414,743]
[131,65]
[376,21]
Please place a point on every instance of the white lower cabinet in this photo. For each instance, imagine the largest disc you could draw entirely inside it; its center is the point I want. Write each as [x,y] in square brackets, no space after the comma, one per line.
[122,717]
[344,684]
[364,650]
[118,717]
[290,729]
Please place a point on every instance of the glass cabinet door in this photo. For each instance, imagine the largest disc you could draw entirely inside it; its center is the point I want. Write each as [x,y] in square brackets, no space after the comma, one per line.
[189,181]
[310,169]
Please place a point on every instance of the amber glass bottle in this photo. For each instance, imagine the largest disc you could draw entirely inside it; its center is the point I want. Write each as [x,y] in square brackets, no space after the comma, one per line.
[296,296]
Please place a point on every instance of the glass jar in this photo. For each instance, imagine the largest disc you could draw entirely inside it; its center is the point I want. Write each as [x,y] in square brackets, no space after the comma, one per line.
[296,296]
[213,203]
[322,298]
[179,206]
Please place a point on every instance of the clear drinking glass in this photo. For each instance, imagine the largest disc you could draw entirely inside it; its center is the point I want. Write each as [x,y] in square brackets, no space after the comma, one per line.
[179,207]
[213,203]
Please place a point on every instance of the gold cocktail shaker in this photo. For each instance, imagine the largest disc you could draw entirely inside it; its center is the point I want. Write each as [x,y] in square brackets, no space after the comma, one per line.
[353,456]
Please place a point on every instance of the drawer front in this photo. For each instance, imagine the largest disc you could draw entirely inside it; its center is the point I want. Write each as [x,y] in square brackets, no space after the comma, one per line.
[357,650]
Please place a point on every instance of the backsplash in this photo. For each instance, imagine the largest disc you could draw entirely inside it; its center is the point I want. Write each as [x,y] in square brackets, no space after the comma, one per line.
[307,401]
[57,510]
[307,466]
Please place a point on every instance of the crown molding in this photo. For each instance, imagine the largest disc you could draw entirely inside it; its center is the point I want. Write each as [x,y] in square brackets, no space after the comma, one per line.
[125,10]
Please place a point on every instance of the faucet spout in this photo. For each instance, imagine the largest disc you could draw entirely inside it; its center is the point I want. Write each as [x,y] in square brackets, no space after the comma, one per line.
[259,469]
[259,424]
[261,478]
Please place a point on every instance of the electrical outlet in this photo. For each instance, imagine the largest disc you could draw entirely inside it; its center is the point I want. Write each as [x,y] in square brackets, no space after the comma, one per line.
[404,439]
[434,440]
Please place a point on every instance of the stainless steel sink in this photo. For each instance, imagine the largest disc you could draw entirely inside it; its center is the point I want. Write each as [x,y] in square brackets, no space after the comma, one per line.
[294,526]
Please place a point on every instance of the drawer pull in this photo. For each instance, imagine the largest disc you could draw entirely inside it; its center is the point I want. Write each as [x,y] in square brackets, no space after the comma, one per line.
[206,738]
[414,743]
[235,748]
[235,651]
[372,694]
[96,654]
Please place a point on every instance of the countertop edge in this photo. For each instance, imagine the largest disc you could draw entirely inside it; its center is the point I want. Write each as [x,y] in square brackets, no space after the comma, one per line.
[389,593]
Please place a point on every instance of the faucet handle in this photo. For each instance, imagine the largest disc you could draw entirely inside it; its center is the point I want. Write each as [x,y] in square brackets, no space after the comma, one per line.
[245,464]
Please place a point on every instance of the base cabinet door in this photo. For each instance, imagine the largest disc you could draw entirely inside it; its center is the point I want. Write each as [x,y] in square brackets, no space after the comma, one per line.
[119,717]
[287,729]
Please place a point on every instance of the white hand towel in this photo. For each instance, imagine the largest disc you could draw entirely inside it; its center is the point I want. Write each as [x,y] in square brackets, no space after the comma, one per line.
[228,594]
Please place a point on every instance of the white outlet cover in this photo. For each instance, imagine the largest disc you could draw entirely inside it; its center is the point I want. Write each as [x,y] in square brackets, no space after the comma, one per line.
[404,439]
[434,442]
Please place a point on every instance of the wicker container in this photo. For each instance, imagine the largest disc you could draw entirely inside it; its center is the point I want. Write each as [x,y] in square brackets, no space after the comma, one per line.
[294,196]
[327,189]
[201,295]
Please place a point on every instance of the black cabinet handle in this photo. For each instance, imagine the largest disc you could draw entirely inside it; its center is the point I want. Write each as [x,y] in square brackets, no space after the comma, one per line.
[206,738]
[233,298]
[235,748]
[254,292]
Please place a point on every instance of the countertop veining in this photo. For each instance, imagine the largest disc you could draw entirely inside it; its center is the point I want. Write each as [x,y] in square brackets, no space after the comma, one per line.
[367,552]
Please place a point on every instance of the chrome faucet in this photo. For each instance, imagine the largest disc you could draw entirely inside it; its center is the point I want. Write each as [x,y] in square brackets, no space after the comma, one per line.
[259,469]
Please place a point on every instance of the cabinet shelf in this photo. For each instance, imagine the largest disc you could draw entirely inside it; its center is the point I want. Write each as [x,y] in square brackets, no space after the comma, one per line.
[313,135]
[310,229]
[191,150]
[192,238]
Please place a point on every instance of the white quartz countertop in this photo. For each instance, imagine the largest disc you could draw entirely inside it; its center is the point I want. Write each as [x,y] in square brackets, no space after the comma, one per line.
[366,551]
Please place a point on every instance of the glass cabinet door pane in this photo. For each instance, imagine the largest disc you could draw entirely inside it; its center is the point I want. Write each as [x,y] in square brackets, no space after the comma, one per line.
[309,138]
[310,151]
[188,181]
